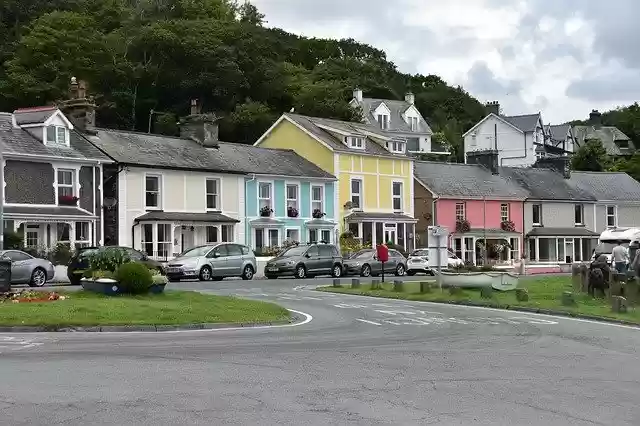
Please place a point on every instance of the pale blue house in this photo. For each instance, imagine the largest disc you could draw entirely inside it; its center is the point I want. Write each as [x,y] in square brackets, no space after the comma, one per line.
[288,200]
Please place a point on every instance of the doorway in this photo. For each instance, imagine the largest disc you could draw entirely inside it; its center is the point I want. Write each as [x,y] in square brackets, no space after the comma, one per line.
[390,233]
[187,237]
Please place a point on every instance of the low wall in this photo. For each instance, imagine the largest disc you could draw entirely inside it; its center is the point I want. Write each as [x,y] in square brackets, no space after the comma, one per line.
[261,262]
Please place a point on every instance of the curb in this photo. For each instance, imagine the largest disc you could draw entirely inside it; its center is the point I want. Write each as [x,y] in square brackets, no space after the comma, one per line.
[145,328]
[510,308]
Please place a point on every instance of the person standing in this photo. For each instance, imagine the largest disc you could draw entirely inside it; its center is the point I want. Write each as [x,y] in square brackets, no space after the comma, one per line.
[620,257]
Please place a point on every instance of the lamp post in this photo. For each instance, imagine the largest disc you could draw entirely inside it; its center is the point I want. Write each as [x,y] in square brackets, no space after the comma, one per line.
[1,202]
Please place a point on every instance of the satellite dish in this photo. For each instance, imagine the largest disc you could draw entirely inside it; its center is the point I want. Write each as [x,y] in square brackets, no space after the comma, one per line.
[109,202]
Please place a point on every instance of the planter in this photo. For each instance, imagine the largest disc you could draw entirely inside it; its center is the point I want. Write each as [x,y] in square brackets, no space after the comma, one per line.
[102,285]
[68,201]
[501,281]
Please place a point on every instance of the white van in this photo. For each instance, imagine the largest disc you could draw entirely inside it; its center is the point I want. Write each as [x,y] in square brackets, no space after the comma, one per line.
[609,239]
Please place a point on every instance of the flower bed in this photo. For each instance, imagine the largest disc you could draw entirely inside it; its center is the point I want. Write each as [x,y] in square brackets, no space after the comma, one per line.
[27,296]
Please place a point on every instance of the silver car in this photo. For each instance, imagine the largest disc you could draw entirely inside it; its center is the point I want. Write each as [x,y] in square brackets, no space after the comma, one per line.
[213,261]
[26,269]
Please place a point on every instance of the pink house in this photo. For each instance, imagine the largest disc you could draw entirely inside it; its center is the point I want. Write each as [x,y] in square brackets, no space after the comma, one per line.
[482,210]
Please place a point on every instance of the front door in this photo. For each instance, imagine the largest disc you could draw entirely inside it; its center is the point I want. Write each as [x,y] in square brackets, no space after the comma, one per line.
[390,233]
[187,238]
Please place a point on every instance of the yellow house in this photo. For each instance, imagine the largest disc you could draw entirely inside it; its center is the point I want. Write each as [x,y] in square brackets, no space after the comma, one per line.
[374,197]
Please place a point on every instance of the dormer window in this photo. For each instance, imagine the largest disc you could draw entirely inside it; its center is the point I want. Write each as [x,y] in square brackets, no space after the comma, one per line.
[355,142]
[57,135]
[413,123]
[396,147]
[383,121]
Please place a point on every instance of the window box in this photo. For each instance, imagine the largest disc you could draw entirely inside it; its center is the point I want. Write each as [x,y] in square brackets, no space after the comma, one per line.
[68,200]
[266,211]
[317,214]
[292,212]
[462,226]
[508,226]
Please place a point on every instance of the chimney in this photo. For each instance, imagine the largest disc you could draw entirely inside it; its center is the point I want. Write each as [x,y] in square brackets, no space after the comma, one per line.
[410,98]
[357,94]
[202,128]
[595,119]
[558,164]
[487,159]
[493,107]
[80,108]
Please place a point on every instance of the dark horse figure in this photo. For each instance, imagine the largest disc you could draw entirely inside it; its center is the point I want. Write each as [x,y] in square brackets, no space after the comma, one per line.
[599,274]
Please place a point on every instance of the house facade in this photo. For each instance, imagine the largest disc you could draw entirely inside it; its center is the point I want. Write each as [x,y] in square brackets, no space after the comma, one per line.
[374,192]
[51,179]
[400,117]
[614,141]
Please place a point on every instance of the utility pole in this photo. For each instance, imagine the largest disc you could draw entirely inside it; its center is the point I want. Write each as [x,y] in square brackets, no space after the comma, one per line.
[484,226]
[1,202]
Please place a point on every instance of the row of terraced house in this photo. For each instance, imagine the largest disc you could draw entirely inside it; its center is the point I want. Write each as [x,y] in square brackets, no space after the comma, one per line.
[307,179]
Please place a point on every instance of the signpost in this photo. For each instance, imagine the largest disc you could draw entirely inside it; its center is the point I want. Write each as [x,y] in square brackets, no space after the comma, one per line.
[383,256]
[438,233]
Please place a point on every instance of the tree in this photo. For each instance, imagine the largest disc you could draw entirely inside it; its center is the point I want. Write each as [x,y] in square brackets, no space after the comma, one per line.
[248,121]
[249,14]
[591,157]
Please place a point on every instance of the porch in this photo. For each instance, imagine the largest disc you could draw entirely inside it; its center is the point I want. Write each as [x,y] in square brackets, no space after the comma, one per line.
[487,246]
[377,228]
[164,235]
[561,245]
[266,232]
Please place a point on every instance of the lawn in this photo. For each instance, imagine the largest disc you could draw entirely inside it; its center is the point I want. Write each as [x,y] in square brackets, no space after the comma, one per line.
[544,293]
[83,308]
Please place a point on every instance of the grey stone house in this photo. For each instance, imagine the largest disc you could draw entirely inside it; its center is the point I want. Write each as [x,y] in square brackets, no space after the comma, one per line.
[614,141]
[51,177]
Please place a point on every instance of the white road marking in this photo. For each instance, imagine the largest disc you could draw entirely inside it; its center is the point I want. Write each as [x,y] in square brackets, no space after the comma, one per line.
[310,298]
[396,312]
[12,343]
[347,306]
[367,321]
[535,320]
[390,322]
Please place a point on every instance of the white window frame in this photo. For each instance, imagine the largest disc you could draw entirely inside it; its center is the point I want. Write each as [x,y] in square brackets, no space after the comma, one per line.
[71,185]
[413,123]
[160,191]
[218,234]
[265,237]
[385,122]
[261,198]
[215,194]
[461,211]
[318,236]
[533,216]
[396,147]
[581,209]
[614,216]
[358,194]
[314,203]
[287,201]
[56,137]
[322,232]
[514,250]
[144,242]
[397,197]
[294,229]
[84,240]
[29,231]
[505,213]
[355,142]
[166,244]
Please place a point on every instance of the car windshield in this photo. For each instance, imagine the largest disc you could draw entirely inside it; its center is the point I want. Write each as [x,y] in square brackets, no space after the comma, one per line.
[294,251]
[196,251]
[419,253]
[363,255]
[606,247]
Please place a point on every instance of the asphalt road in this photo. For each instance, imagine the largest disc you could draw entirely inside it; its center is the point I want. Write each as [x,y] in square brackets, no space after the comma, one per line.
[359,361]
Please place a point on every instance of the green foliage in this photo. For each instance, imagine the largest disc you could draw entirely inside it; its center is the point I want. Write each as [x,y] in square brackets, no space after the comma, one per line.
[591,157]
[61,254]
[108,259]
[134,278]
[13,240]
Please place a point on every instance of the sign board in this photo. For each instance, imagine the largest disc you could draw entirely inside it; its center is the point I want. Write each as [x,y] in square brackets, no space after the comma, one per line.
[382,252]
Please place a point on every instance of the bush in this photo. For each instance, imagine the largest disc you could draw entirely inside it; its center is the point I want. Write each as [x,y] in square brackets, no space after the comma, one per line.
[134,278]
[108,259]
[61,254]
[13,240]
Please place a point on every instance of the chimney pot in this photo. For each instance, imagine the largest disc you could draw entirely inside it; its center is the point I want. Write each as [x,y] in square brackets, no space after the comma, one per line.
[410,98]
[486,158]
[493,107]
[357,94]
[79,109]
[201,128]
[595,118]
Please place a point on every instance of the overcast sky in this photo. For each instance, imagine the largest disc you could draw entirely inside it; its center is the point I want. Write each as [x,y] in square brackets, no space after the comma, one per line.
[561,57]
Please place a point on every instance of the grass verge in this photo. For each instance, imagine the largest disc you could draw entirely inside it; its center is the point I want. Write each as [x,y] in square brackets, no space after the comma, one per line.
[544,293]
[84,308]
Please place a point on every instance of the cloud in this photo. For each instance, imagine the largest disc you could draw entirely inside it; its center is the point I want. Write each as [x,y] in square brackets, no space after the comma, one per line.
[563,58]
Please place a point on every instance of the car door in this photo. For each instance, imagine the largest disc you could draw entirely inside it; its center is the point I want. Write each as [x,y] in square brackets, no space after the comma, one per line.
[326,259]
[312,261]
[234,260]
[217,259]
[20,266]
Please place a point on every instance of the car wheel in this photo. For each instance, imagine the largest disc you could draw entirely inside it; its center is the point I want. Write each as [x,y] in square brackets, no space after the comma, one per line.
[247,274]
[411,273]
[205,273]
[366,271]
[336,272]
[38,277]
[301,272]
[400,270]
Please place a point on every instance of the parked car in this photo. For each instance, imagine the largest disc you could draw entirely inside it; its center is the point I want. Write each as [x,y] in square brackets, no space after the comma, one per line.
[306,261]
[213,261]
[365,263]
[418,262]
[79,263]
[26,269]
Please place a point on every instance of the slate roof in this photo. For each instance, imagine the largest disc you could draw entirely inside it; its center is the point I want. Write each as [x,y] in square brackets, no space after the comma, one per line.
[559,132]
[526,123]
[20,141]
[396,121]
[33,115]
[545,184]
[160,151]
[608,135]
[455,180]
[334,140]
[61,211]
[607,186]
[209,217]
[379,216]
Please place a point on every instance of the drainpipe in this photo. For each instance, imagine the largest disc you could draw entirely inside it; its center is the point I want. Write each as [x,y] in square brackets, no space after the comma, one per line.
[133,233]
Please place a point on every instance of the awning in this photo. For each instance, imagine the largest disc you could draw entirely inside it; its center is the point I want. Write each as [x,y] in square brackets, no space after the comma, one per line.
[46,214]
[490,233]
[319,223]
[209,217]
[266,222]
[562,232]
[379,217]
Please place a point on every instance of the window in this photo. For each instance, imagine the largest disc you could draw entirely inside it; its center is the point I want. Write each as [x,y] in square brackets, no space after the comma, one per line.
[612,216]
[326,236]
[164,240]
[537,214]
[259,238]
[147,238]
[227,233]
[356,193]
[16,256]
[515,248]
[313,236]
[397,196]
[152,192]
[468,250]
[383,121]
[213,194]
[413,123]
[457,247]
[234,250]
[579,214]
[292,197]
[293,235]
[396,147]
[356,142]
[32,237]
[460,211]
[57,135]
[65,183]
[82,234]
[274,240]
[504,212]
[51,134]
[264,195]
[316,198]
[63,231]
[267,238]
[220,251]
[212,234]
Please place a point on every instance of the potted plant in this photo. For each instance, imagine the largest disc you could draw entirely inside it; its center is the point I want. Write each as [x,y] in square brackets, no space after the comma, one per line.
[318,214]
[266,211]
[462,226]
[292,211]
[68,200]
[508,226]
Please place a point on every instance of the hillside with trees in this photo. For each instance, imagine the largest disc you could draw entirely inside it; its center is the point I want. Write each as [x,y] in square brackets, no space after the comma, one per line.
[143,55]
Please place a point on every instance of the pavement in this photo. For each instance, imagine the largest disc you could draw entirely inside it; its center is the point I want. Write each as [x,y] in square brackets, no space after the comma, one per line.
[356,361]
